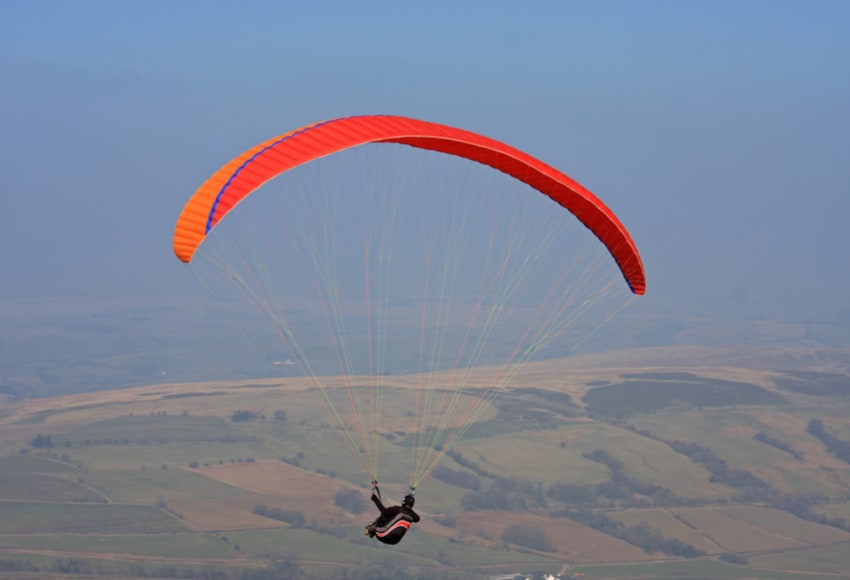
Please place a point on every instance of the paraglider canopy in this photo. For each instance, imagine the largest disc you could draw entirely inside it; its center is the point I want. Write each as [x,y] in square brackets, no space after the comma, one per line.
[236,180]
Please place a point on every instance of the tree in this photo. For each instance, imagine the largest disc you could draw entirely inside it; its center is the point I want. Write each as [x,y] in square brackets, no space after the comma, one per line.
[458,477]
[240,416]
[292,517]
[527,537]
[42,441]
[350,500]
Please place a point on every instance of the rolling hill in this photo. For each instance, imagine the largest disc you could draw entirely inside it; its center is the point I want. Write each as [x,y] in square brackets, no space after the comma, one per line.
[646,463]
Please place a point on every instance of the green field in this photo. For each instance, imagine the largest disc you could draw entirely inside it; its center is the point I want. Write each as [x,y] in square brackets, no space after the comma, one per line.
[147,485]
[693,570]
[17,464]
[824,560]
[51,518]
[165,545]
[783,523]
[37,486]
[152,429]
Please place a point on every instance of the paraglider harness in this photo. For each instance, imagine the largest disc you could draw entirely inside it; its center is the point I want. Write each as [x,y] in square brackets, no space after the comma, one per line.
[393,523]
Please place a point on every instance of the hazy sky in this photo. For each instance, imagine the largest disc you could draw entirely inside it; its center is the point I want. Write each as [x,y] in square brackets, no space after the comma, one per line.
[718,131]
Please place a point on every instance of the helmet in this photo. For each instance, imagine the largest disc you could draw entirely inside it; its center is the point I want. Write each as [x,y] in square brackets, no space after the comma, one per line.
[408,500]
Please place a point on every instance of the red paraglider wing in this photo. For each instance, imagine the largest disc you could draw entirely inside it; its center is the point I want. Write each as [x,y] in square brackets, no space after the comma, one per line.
[233,182]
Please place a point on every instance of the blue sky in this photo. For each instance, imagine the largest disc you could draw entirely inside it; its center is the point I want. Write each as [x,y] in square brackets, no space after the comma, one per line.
[719,131]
